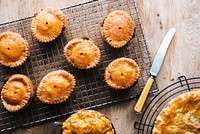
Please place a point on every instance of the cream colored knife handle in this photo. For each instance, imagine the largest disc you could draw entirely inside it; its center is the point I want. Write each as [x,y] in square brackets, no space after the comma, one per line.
[143,96]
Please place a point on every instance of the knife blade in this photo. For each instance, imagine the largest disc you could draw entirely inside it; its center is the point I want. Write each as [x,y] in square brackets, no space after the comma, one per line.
[157,63]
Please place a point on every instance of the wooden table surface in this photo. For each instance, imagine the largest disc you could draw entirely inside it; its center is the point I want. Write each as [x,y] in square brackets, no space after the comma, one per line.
[158,16]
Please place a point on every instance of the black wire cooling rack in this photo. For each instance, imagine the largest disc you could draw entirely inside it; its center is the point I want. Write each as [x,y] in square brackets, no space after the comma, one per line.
[160,100]
[91,90]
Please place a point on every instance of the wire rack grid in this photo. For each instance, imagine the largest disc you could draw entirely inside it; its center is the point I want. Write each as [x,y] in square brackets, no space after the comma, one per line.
[91,90]
[160,100]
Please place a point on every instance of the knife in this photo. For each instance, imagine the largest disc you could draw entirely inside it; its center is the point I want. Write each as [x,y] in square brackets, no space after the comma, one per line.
[157,63]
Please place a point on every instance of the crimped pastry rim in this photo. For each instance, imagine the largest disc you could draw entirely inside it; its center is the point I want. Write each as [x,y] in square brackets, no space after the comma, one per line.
[23,56]
[40,89]
[60,15]
[103,30]
[67,54]
[29,93]
[110,67]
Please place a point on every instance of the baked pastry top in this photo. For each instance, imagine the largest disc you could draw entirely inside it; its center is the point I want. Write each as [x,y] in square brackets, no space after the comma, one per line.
[117,28]
[181,116]
[16,92]
[122,73]
[48,24]
[82,53]
[14,50]
[56,87]
[87,122]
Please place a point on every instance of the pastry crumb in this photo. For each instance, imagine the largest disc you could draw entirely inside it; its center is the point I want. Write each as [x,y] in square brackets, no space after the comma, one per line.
[165,76]
[116,118]
[161,25]
[172,78]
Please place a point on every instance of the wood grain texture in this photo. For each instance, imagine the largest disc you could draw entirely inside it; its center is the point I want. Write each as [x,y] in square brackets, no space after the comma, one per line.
[182,57]
[15,9]
[158,16]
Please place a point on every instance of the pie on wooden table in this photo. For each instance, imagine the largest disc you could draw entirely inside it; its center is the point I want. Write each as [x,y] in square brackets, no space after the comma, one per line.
[48,24]
[17,92]
[117,28]
[56,87]
[122,73]
[14,50]
[82,53]
[87,122]
[181,116]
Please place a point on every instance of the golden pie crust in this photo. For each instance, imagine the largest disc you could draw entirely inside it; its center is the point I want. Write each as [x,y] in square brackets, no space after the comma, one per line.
[17,92]
[122,73]
[82,53]
[181,116]
[56,87]
[117,28]
[87,122]
[48,24]
[14,50]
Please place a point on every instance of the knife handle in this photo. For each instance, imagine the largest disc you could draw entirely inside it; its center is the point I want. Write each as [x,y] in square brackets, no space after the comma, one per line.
[143,96]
